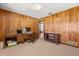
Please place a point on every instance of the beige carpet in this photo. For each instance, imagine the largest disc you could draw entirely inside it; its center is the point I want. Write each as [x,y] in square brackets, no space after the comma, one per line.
[39,48]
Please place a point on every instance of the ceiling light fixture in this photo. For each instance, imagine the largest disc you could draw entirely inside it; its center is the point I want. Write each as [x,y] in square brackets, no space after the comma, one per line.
[36,7]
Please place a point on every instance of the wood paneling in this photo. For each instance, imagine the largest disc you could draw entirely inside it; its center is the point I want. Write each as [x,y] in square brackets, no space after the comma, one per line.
[66,23]
[10,22]
[47,24]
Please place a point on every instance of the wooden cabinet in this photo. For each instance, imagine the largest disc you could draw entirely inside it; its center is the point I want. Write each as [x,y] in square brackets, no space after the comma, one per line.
[52,37]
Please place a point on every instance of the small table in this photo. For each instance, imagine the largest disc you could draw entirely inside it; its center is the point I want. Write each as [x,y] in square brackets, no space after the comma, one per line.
[6,39]
[18,37]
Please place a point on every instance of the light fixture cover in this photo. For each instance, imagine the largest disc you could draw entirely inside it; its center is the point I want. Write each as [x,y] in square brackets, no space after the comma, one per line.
[36,7]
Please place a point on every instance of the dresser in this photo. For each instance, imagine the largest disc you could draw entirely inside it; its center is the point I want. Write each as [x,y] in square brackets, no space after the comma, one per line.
[52,37]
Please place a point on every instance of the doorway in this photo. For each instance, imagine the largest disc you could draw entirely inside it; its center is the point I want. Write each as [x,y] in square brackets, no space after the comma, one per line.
[41,29]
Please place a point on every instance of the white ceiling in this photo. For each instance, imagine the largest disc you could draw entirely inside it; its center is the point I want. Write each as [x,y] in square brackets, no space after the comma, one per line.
[26,8]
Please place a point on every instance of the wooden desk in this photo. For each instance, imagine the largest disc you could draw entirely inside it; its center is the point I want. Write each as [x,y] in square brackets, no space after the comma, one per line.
[18,37]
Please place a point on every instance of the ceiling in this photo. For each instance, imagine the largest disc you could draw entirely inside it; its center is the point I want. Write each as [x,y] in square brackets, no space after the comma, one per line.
[46,8]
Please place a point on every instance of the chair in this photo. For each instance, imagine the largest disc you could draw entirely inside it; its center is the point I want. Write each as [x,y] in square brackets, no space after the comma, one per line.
[19,31]
[28,29]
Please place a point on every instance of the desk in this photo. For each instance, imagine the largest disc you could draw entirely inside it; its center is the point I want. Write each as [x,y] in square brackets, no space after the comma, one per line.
[20,37]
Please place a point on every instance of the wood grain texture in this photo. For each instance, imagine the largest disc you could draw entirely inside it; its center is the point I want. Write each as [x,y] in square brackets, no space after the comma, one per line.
[66,23]
[10,22]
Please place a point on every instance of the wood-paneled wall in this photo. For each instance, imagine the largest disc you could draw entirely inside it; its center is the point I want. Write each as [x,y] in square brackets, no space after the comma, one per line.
[66,23]
[10,22]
